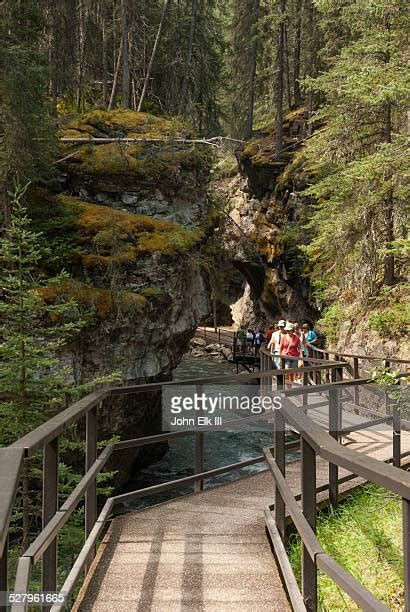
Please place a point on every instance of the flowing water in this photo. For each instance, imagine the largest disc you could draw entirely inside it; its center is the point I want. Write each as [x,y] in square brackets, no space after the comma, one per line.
[220,447]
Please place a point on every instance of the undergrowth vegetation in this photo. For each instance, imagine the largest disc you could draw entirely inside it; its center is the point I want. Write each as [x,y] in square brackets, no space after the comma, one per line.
[364,535]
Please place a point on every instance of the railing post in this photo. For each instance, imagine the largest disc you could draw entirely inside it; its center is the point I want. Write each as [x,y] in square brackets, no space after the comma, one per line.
[280,380]
[386,396]
[396,427]
[305,398]
[279,450]
[50,503]
[309,569]
[91,493]
[334,408]
[199,452]
[4,571]
[406,553]
[356,387]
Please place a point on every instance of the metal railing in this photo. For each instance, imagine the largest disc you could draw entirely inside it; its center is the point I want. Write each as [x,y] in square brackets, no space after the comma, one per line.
[316,442]
[46,438]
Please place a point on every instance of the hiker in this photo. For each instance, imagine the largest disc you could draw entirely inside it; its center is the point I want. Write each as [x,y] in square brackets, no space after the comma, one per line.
[259,338]
[301,335]
[274,343]
[290,348]
[250,337]
[310,337]
[268,333]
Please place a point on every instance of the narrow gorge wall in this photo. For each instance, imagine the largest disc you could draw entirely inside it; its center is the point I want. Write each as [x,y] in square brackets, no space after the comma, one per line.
[135,219]
[265,229]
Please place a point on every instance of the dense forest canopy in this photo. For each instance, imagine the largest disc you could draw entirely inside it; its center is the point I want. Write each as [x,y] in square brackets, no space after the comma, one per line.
[233,67]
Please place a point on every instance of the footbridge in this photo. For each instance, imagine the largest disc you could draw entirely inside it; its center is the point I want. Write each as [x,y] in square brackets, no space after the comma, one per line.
[222,546]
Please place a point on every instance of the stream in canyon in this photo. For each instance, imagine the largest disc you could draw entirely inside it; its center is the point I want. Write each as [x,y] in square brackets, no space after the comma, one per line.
[221,448]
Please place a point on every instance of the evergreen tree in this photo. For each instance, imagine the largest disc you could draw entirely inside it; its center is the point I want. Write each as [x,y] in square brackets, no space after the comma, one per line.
[25,143]
[32,381]
[360,156]
[243,65]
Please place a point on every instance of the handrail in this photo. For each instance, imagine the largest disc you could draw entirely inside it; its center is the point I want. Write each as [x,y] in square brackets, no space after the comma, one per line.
[46,435]
[390,477]
[316,442]
[43,540]
[353,356]
[351,586]
[35,440]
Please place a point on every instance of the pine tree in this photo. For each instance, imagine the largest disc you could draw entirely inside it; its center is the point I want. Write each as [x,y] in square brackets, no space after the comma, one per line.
[25,143]
[360,156]
[32,381]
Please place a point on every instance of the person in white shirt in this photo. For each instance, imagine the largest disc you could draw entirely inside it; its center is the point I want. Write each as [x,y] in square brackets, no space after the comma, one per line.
[274,343]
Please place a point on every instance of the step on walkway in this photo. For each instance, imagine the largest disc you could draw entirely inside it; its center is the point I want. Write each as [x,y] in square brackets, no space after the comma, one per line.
[205,552]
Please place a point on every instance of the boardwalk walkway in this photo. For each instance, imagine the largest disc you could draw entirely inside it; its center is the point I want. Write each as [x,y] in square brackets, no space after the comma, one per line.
[207,551]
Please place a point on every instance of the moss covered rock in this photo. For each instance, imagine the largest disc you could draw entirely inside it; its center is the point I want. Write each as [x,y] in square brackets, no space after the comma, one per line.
[154,176]
[112,237]
[105,303]
[258,159]
[116,167]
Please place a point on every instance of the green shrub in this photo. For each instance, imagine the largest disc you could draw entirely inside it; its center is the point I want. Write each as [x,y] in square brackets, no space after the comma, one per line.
[364,536]
[390,322]
[331,320]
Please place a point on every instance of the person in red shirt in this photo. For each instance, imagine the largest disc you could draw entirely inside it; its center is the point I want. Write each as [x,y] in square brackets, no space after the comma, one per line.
[291,349]
[268,333]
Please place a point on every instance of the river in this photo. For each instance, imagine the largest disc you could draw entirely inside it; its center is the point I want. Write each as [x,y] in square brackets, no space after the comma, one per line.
[220,448]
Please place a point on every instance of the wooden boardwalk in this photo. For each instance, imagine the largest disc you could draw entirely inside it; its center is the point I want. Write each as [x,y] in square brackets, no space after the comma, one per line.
[208,551]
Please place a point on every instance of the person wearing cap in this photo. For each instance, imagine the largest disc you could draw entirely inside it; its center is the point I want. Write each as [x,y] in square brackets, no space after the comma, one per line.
[290,348]
[274,343]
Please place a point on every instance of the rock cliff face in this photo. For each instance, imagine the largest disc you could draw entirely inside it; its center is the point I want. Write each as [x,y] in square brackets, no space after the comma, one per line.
[139,216]
[266,229]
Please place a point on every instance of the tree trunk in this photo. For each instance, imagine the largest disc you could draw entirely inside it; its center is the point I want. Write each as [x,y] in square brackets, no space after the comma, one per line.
[104,65]
[279,81]
[52,63]
[80,54]
[253,62]
[311,27]
[115,80]
[388,207]
[288,87]
[388,210]
[184,88]
[125,101]
[154,51]
[296,55]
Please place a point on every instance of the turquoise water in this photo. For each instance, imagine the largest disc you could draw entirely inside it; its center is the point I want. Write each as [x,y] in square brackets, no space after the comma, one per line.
[220,448]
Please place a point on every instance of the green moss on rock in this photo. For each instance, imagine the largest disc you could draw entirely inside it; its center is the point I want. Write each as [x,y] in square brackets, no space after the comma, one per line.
[109,236]
[261,151]
[104,302]
[133,164]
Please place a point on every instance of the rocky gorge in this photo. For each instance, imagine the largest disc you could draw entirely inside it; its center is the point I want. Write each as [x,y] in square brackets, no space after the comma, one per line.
[129,223]
[265,228]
